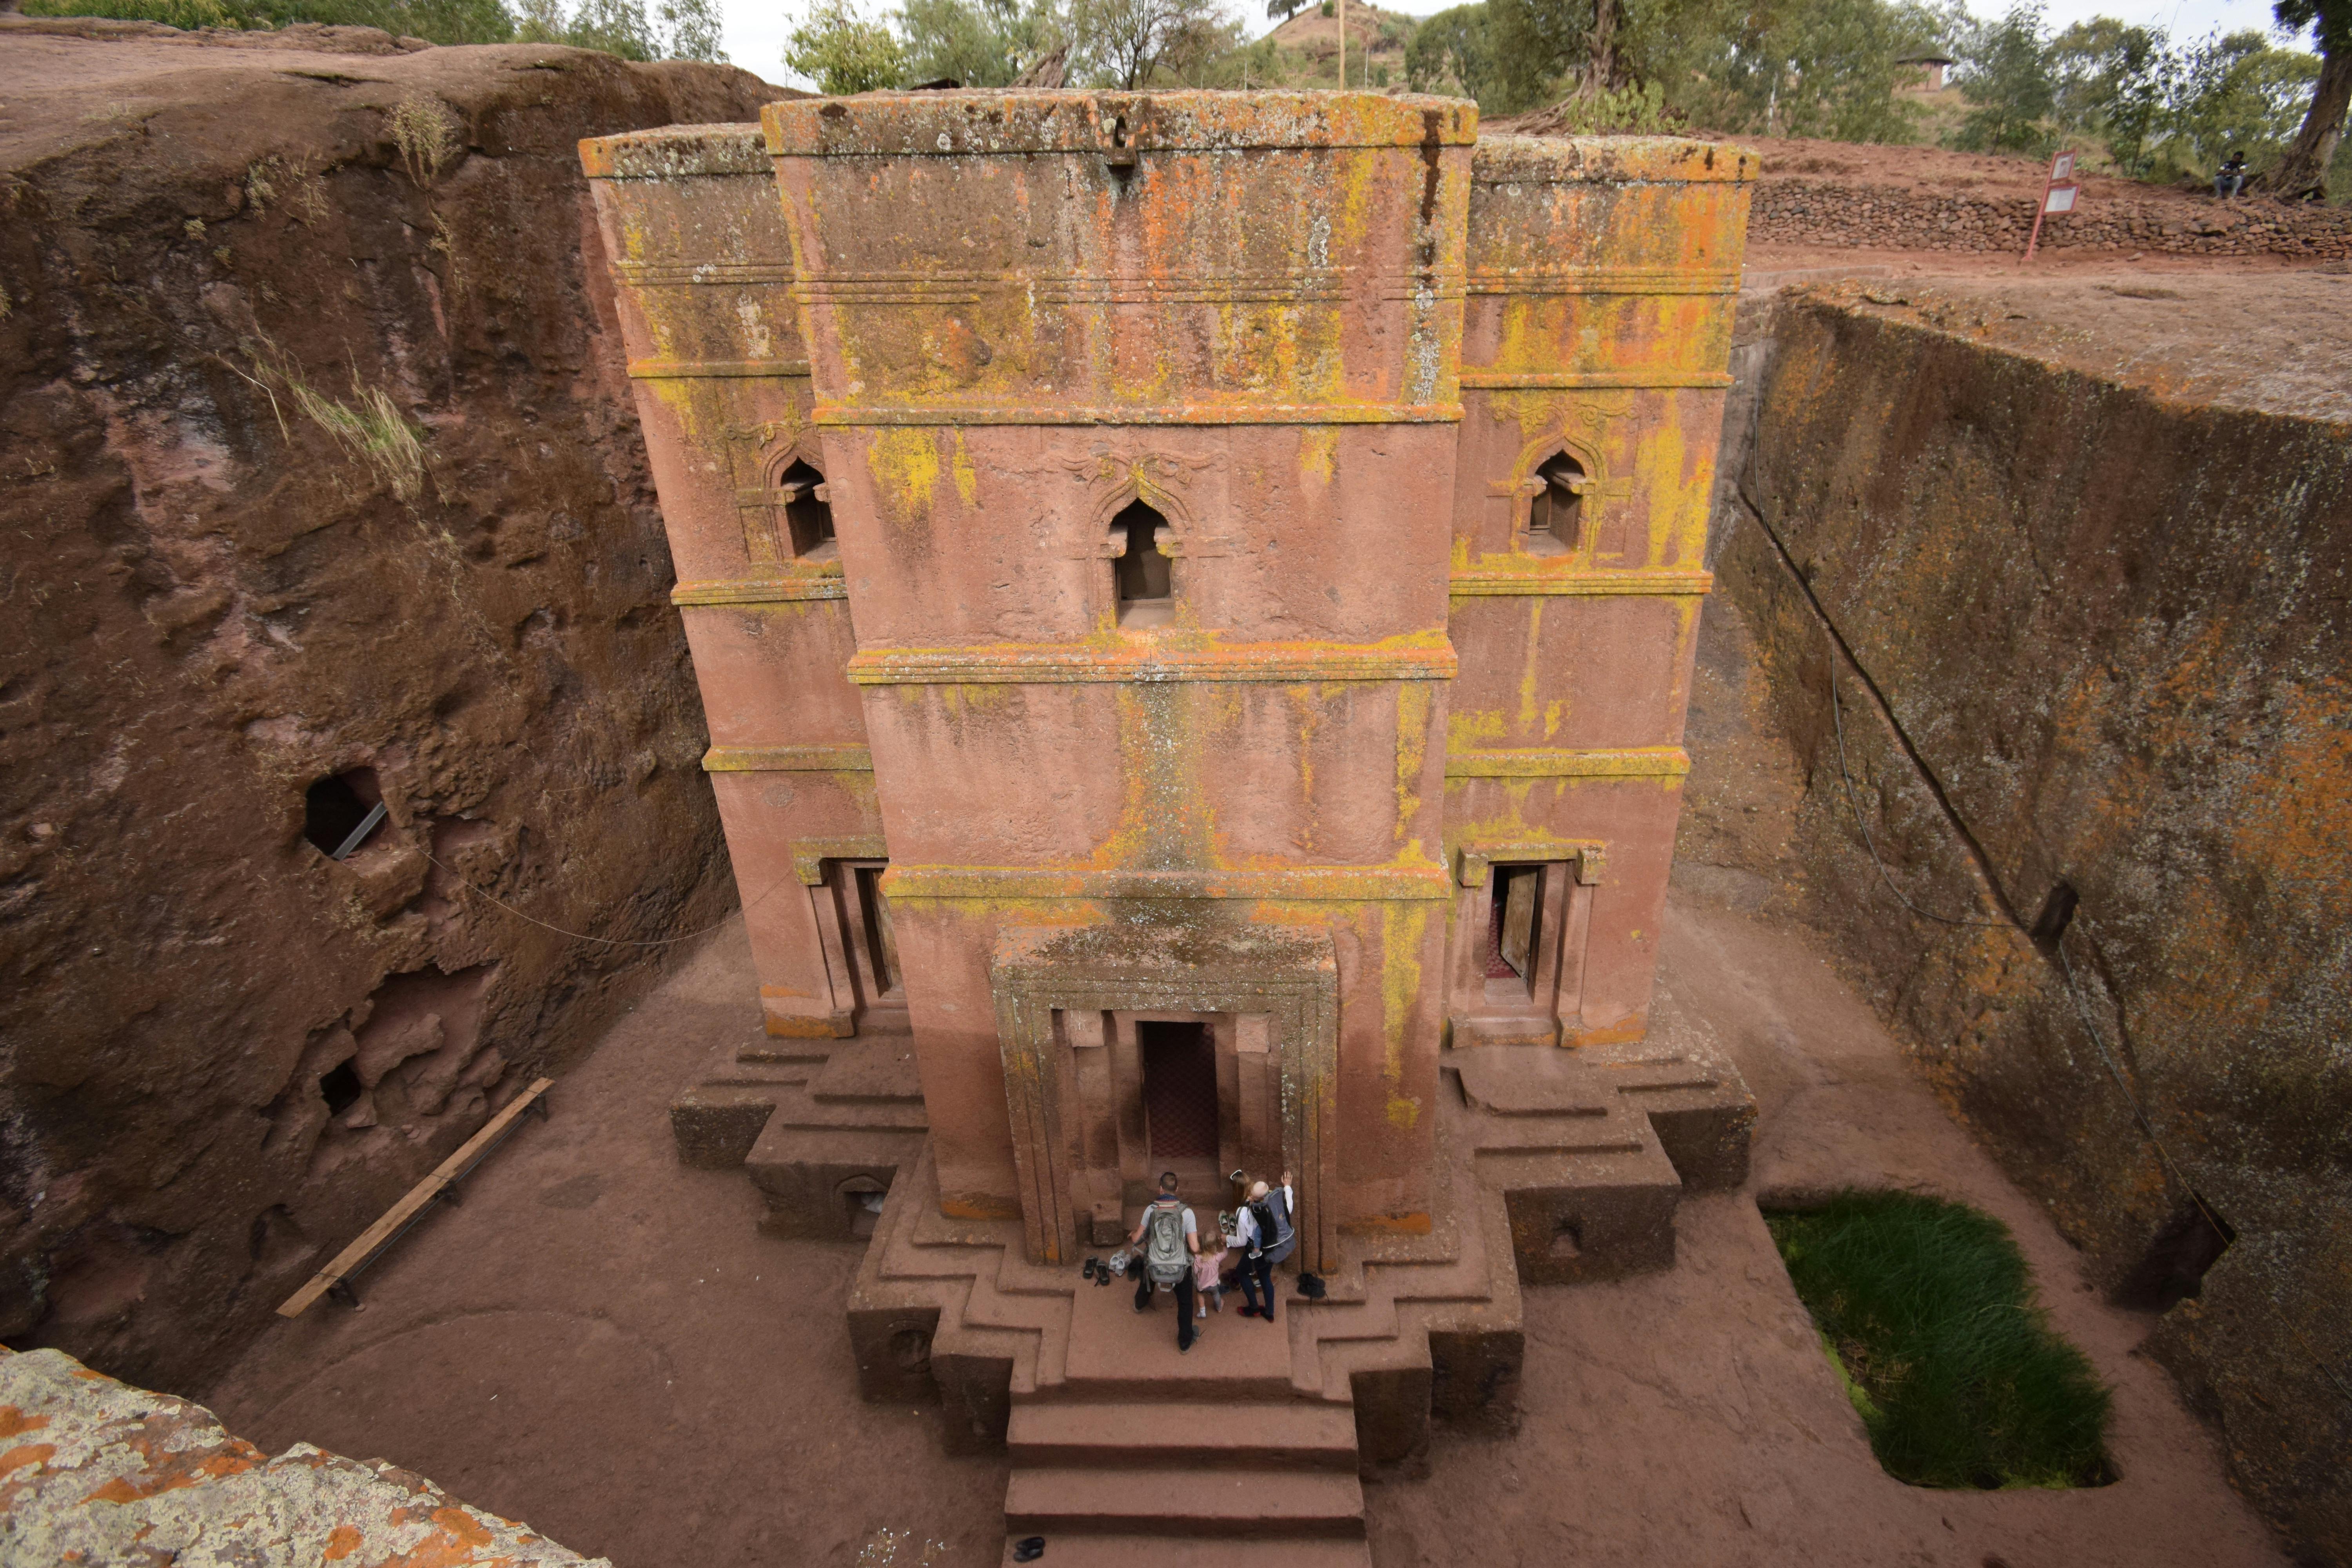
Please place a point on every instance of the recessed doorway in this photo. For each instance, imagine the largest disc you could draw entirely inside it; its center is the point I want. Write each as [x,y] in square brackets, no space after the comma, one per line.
[1180,1091]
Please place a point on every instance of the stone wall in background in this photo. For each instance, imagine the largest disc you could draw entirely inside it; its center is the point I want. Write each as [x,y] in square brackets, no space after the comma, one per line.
[2107,722]
[1878,217]
[319,486]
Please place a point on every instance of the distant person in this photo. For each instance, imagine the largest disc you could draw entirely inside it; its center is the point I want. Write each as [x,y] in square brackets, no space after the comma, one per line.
[1168,1238]
[2231,178]
[1266,1233]
[1208,1275]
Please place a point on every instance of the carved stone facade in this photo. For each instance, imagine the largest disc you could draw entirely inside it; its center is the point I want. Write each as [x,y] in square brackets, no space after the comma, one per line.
[1207,562]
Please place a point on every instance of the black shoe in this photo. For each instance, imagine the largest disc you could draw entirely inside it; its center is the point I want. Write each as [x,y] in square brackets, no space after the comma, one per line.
[1028,1549]
[1088,1271]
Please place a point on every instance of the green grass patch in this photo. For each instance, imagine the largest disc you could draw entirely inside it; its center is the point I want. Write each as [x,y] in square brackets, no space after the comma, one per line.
[1926,1310]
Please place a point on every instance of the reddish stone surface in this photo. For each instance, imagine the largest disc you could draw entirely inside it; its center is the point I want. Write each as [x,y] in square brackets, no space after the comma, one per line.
[1329,342]
[213,602]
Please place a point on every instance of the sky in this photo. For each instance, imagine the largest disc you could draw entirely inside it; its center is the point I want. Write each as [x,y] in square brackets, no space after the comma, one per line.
[755,29]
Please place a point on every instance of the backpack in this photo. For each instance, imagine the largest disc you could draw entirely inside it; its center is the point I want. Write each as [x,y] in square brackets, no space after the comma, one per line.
[1261,1212]
[1163,1245]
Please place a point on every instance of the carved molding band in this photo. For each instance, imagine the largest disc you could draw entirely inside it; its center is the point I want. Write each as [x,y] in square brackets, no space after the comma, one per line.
[1428,658]
[809,855]
[690,274]
[1599,280]
[1290,884]
[788,760]
[1063,413]
[1487,583]
[760,590]
[1476,859]
[1630,762]
[700,369]
[1473,380]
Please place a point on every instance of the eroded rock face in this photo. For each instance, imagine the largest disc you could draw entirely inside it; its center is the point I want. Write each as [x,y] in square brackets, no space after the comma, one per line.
[98,1472]
[319,490]
[2108,628]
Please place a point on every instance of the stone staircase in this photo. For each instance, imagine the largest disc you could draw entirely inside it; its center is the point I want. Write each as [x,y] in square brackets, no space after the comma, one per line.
[1557,1166]
[1554,1166]
[820,1126]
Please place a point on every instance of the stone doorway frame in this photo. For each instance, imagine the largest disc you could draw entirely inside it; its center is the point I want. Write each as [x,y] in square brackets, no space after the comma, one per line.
[1287,976]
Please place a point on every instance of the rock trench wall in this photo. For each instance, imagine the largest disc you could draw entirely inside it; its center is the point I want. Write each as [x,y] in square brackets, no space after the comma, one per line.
[1877,217]
[2109,634]
[316,464]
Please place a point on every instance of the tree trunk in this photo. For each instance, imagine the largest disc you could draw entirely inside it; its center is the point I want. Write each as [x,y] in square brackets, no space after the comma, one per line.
[1600,61]
[2302,175]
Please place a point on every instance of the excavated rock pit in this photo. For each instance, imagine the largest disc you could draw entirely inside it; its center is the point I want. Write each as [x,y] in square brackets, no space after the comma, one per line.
[2075,550]
[321,488]
[2077,556]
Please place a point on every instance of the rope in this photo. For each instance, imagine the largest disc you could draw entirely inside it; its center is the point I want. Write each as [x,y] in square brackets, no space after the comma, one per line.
[582,936]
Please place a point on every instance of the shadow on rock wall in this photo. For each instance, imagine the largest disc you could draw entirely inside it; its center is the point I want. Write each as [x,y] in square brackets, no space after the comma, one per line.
[320,489]
[2089,654]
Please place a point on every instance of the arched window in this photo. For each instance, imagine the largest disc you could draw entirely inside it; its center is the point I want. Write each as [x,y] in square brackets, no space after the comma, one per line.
[1140,573]
[807,512]
[1556,515]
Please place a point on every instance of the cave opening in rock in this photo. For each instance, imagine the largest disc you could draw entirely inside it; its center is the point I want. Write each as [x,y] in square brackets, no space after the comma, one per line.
[2173,1266]
[340,812]
[341,1087]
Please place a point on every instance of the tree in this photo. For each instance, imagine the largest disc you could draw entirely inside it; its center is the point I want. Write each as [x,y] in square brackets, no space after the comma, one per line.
[2302,174]
[979,43]
[2116,82]
[2007,76]
[1814,67]
[1454,46]
[2236,93]
[1540,46]
[1281,11]
[691,30]
[1127,43]
[843,52]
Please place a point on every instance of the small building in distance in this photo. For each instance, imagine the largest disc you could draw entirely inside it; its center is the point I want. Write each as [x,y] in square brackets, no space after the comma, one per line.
[1924,73]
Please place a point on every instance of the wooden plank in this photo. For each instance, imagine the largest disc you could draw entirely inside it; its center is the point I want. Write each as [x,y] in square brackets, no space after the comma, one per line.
[423,1193]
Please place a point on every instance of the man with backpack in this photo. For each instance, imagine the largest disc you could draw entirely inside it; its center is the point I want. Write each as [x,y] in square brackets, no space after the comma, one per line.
[1265,1234]
[1169,1237]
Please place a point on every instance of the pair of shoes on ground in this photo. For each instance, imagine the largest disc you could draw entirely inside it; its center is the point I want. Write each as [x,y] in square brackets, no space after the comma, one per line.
[1258,1312]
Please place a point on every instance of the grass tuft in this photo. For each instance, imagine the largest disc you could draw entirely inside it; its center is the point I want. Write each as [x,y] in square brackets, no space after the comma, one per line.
[426,130]
[1927,1310]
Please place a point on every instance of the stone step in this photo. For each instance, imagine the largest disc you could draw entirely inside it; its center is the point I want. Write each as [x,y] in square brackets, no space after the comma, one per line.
[1219,1436]
[1243,1504]
[1186,1551]
[869,1071]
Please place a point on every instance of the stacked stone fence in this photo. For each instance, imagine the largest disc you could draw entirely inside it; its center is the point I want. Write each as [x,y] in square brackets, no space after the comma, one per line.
[1874,217]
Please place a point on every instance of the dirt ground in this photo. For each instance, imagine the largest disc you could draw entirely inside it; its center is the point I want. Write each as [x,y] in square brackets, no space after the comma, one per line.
[600,1343]
[2245,334]
[1690,1417]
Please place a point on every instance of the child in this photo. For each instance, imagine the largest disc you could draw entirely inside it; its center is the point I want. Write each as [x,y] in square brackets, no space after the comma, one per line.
[1208,1290]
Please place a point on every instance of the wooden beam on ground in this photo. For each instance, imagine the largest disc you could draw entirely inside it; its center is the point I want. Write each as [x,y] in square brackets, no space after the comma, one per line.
[351,1258]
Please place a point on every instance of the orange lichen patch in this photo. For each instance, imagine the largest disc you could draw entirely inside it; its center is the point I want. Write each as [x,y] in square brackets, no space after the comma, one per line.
[342,1541]
[15,1423]
[24,1454]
